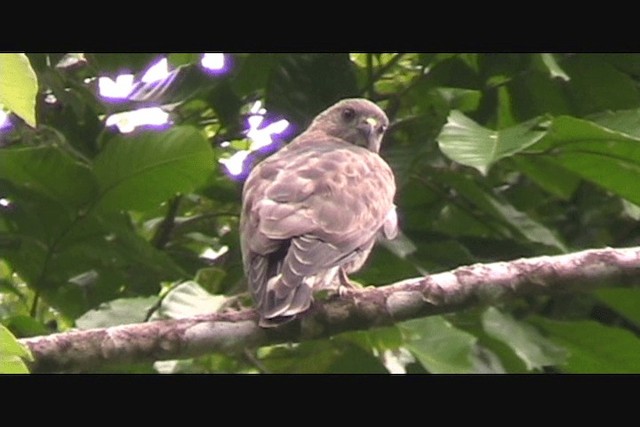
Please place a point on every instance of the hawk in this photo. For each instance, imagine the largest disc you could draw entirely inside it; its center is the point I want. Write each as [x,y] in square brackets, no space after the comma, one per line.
[312,211]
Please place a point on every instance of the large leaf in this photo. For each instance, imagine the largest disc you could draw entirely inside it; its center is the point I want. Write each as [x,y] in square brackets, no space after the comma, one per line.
[607,157]
[141,171]
[518,223]
[593,347]
[299,88]
[121,63]
[49,171]
[470,144]
[18,86]
[439,346]
[118,312]
[625,301]
[188,299]
[12,354]
[555,71]
[548,175]
[253,72]
[319,356]
[596,85]
[534,349]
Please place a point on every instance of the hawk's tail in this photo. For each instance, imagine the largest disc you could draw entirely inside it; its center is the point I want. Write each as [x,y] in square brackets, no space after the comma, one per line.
[280,307]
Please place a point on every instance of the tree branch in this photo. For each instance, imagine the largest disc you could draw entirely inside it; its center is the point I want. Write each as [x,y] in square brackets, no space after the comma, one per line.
[478,284]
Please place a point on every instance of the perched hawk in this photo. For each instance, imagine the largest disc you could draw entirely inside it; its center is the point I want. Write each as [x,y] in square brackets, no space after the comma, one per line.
[312,211]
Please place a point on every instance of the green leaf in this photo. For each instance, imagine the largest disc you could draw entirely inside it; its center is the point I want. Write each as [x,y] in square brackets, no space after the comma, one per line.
[18,86]
[461,99]
[624,121]
[299,88]
[548,175]
[534,93]
[597,85]
[552,65]
[9,346]
[606,157]
[253,73]
[534,349]
[12,354]
[118,312]
[455,221]
[624,301]
[631,210]
[518,223]
[186,300]
[141,171]
[470,144]
[593,347]
[49,171]
[177,59]
[12,365]
[26,326]
[440,347]
[319,356]
[121,63]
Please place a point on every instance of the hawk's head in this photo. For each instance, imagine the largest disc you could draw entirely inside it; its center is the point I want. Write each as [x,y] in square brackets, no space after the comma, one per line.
[358,121]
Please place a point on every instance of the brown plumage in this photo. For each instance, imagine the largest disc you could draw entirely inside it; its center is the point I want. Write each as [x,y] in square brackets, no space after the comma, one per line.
[312,211]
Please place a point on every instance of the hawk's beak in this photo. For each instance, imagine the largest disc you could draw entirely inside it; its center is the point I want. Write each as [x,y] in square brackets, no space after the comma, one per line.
[367,127]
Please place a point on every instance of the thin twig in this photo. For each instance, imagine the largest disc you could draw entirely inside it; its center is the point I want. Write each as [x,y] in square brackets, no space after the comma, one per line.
[163,233]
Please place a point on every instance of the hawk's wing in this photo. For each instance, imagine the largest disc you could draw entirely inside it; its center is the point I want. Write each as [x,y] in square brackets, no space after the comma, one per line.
[307,211]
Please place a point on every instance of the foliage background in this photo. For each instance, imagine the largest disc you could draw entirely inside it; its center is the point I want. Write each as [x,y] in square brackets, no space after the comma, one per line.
[497,156]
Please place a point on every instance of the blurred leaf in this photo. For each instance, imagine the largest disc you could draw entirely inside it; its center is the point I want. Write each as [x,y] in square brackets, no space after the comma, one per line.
[320,356]
[401,246]
[211,279]
[456,222]
[623,121]
[382,267]
[254,72]
[9,346]
[624,301]
[439,346]
[594,348]
[112,63]
[535,350]
[379,339]
[26,326]
[188,299]
[519,223]
[485,361]
[552,65]
[464,100]
[118,312]
[299,88]
[445,253]
[470,144]
[548,175]
[534,94]
[12,365]
[49,171]
[606,157]
[143,170]
[18,86]
[631,210]
[597,86]
[12,354]
[177,59]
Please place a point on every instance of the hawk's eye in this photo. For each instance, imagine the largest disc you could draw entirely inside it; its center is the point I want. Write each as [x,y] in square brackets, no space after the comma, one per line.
[381,129]
[348,114]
